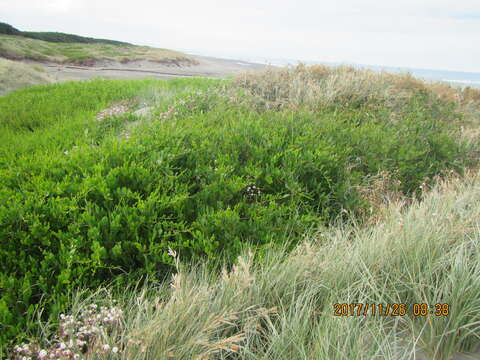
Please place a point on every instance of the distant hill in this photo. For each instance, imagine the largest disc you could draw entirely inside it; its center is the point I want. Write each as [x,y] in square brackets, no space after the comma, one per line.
[8,29]
[56,37]
[60,48]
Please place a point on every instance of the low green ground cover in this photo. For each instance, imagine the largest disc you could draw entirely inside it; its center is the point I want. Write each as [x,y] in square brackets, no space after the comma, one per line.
[207,174]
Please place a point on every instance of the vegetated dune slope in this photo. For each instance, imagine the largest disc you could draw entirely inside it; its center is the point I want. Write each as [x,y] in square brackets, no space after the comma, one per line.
[108,181]
[15,75]
[21,48]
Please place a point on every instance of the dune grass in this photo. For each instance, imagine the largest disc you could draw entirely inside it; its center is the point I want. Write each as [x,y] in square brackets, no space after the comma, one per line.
[15,76]
[319,86]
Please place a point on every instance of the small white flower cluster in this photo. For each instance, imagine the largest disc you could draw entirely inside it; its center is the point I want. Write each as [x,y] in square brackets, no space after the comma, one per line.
[59,350]
[423,186]
[168,114]
[76,338]
[113,111]
[188,103]
[215,168]
[252,191]
[116,109]
[66,152]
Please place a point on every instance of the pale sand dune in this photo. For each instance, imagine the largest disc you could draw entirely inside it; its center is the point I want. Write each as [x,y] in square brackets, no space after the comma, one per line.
[206,67]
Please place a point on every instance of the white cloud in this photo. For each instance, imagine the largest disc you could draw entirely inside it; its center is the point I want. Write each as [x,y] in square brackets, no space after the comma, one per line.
[427,33]
[41,6]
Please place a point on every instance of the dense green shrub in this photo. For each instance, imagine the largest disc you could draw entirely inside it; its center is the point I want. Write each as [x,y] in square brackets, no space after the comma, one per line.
[80,205]
[68,38]
[58,37]
[8,29]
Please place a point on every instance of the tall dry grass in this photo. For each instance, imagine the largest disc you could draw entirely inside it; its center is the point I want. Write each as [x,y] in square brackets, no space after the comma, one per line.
[15,75]
[320,85]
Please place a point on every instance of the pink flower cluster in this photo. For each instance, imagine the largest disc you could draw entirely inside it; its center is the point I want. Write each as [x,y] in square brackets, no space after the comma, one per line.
[76,338]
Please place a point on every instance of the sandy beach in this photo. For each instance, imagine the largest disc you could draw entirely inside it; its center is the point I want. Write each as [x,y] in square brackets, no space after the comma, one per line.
[204,67]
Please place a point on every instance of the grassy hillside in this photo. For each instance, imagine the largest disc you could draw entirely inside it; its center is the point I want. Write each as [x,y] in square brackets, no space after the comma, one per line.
[19,48]
[92,192]
[15,76]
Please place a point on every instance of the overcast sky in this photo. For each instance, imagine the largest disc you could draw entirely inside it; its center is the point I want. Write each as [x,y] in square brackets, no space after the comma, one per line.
[433,34]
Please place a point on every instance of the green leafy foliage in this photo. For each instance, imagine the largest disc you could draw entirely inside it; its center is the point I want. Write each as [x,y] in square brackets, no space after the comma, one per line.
[81,206]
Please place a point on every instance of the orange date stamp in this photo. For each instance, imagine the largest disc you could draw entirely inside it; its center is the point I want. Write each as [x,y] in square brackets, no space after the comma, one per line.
[394,309]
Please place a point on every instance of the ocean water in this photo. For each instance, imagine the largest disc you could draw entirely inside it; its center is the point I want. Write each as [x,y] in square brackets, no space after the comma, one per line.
[457,78]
